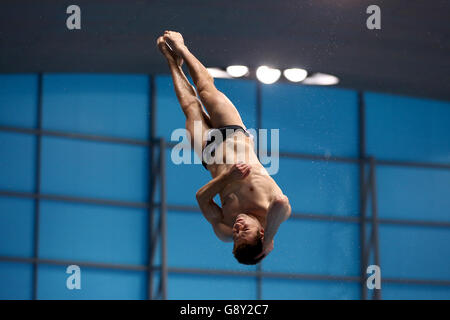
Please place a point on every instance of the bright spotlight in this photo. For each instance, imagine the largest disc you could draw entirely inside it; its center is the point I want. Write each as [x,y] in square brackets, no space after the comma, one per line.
[267,75]
[295,74]
[237,71]
[218,73]
[321,79]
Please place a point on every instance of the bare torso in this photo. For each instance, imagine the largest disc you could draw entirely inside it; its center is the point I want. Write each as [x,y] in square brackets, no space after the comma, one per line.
[251,195]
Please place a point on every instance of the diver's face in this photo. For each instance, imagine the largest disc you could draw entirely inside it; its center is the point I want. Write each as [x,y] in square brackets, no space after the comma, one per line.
[245,229]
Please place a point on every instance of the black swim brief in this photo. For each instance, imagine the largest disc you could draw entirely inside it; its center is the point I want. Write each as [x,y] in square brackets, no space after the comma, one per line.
[225,131]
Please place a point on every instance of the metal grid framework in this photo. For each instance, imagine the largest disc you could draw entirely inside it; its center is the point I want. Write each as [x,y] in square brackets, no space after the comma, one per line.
[157,229]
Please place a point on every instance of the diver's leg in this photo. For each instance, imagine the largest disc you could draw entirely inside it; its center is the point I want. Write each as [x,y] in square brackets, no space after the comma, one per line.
[220,109]
[189,102]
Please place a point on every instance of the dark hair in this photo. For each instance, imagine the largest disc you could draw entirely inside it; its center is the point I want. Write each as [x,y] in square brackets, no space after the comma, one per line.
[246,253]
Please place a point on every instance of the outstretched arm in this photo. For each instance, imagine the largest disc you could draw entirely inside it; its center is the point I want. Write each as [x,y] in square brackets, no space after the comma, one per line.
[279,211]
[211,211]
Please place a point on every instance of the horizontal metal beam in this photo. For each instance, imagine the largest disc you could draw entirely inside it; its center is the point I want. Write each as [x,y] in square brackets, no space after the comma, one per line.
[73,135]
[294,215]
[98,265]
[420,282]
[419,223]
[219,272]
[317,157]
[144,205]
[335,218]
[53,197]
[313,157]
[171,144]
[413,164]
[378,162]
[264,274]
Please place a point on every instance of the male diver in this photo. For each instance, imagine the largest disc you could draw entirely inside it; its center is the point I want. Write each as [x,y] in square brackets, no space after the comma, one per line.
[253,205]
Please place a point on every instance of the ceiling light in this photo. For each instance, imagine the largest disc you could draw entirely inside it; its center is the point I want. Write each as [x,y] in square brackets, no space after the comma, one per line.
[237,71]
[321,79]
[267,75]
[218,73]
[295,74]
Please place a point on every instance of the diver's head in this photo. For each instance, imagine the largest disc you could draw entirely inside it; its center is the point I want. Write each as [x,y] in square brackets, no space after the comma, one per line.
[248,236]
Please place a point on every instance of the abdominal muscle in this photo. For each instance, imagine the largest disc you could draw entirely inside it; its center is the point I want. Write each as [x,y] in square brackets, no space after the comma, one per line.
[237,148]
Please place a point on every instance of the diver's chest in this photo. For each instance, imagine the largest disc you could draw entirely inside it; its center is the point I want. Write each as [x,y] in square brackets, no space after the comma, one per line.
[248,198]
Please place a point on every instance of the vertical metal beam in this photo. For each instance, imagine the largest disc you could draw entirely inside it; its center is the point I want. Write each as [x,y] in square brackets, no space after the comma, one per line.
[155,229]
[375,242]
[153,106]
[37,188]
[362,124]
[258,115]
[258,105]
[259,281]
[151,179]
[258,126]
[362,190]
[163,216]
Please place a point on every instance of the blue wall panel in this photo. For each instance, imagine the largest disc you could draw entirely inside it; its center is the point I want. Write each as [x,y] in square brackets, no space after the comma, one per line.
[314,120]
[97,284]
[17,161]
[192,243]
[18,100]
[414,252]
[201,287]
[94,169]
[168,114]
[391,291]
[93,233]
[413,193]
[315,247]
[183,181]
[112,105]
[242,93]
[16,227]
[320,187]
[15,281]
[283,289]
[404,128]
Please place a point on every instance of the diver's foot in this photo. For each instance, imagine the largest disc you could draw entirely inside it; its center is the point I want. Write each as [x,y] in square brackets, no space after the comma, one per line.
[175,41]
[171,56]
